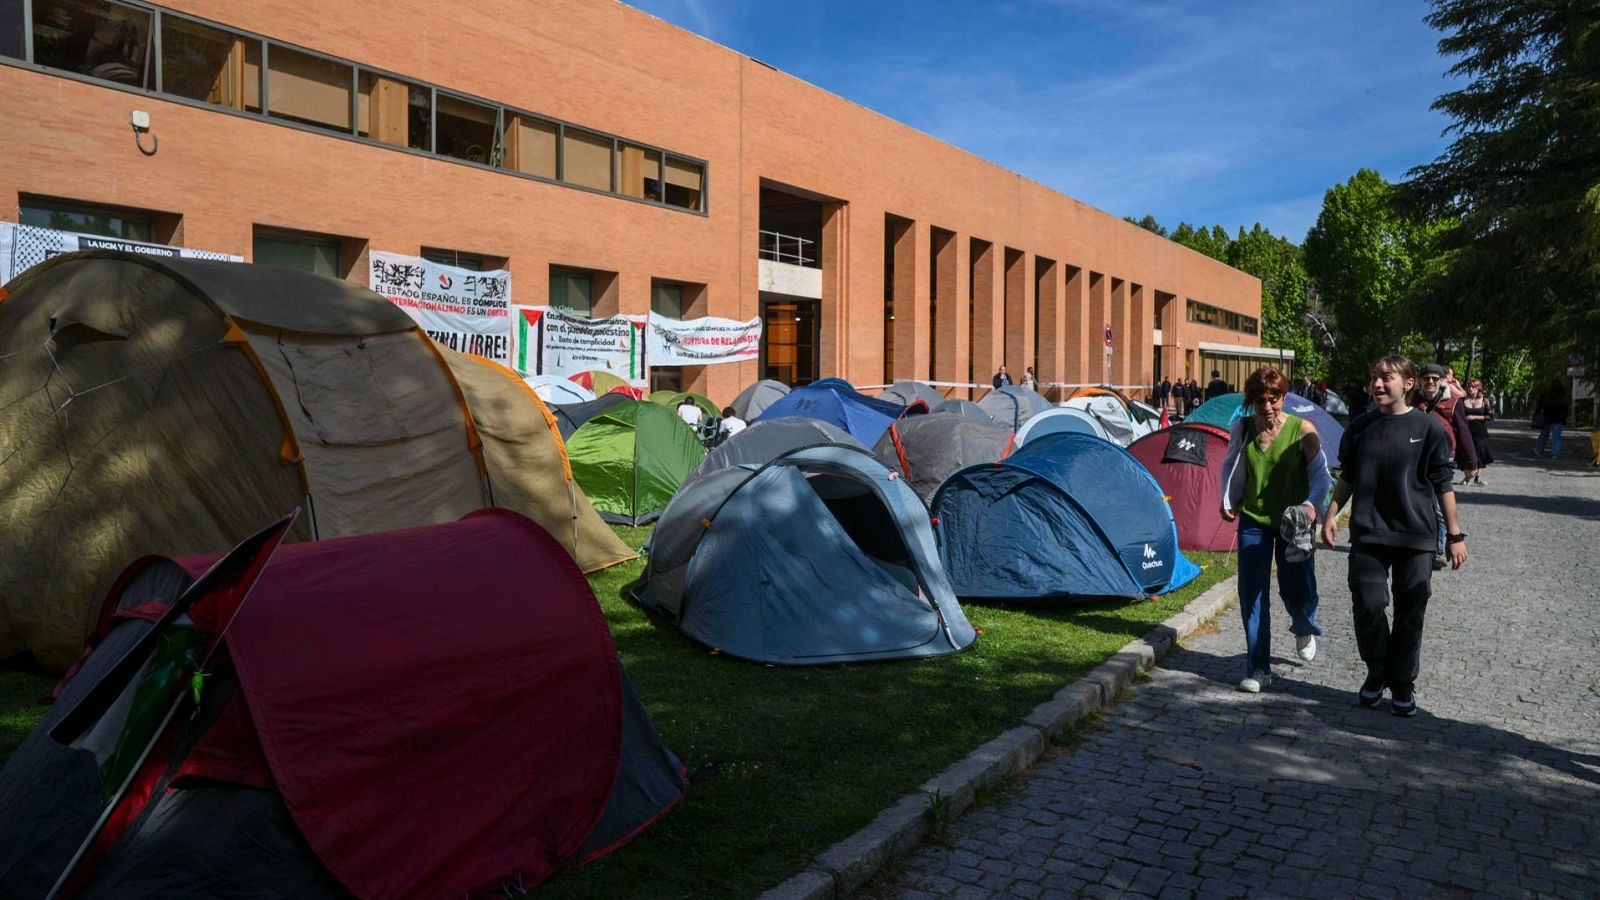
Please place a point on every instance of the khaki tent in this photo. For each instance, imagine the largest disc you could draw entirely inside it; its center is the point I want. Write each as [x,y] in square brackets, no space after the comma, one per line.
[173,406]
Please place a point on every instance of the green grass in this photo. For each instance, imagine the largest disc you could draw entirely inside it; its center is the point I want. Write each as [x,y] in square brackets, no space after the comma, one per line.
[800,757]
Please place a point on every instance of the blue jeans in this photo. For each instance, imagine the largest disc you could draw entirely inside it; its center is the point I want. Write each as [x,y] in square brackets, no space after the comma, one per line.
[1259,546]
[1550,434]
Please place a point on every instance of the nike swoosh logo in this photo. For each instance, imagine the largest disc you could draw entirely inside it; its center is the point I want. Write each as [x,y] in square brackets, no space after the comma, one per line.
[1415,440]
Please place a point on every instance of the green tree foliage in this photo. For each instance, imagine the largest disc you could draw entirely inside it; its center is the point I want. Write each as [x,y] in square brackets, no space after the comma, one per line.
[1520,183]
[1213,242]
[1148,223]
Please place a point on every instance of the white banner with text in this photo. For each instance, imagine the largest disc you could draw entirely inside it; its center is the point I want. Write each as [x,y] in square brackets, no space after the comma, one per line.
[464,310]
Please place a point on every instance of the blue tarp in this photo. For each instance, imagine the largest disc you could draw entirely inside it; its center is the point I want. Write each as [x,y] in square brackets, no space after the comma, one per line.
[1066,514]
[865,418]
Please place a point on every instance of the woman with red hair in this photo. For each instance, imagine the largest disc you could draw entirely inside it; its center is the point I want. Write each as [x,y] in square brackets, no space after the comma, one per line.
[1275,482]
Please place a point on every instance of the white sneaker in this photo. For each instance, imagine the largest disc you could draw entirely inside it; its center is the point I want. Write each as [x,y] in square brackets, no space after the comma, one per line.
[1257,680]
[1306,646]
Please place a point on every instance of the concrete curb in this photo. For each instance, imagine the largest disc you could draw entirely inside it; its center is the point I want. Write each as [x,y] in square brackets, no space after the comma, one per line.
[847,866]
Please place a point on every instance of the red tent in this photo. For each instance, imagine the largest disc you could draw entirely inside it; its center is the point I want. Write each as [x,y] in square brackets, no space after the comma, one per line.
[1187,462]
[428,712]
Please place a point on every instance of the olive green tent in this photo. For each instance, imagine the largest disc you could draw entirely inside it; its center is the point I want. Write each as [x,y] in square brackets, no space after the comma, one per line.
[173,406]
[630,460]
[672,399]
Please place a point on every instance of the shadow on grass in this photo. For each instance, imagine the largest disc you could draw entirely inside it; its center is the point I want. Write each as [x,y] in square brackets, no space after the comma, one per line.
[22,684]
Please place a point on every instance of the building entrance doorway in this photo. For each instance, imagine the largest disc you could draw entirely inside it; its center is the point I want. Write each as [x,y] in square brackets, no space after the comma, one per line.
[790,331]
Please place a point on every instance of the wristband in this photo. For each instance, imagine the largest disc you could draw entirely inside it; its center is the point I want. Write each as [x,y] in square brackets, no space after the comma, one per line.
[1455,538]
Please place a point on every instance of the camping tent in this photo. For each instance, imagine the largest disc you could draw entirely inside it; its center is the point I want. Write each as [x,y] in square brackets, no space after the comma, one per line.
[754,400]
[1115,415]
[1067,514]
[1061,420]
[765,441]
[905,393]
[865,418]
[1222,411]
[553,389]
[206,397]
[820,556]
[671,400]
[599,381]
[932,447]
[1011,406]
[1186,461]
[454,719]
[571,416]
[966,409]
[631,459]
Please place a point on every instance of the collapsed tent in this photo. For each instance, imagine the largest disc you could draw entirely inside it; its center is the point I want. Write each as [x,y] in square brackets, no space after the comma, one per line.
[673,399]
[1065,515]
[765,441]
[966,409]
[151,404]
[1115,415]
[926,450]
[1011,406]
[1186,461]
[754,400]
[906,393]
[865,418]
[554,389]
[571,416]
[820,556]
[1061,420]
[631,459]
[454,722]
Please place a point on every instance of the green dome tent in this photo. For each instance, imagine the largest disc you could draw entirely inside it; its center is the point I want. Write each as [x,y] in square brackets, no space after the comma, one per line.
[631,459]
[672,399]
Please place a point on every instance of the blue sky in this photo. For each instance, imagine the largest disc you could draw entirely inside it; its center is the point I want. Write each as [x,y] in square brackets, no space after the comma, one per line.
[1217,112]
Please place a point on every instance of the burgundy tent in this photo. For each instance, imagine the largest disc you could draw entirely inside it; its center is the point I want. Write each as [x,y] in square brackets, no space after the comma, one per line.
[429,712]
[1187,462]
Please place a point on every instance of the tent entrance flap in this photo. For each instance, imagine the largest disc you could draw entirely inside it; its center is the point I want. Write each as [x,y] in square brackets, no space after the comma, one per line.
[868,524]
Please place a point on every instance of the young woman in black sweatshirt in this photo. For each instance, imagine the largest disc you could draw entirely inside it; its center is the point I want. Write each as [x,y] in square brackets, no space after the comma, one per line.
[1396,461]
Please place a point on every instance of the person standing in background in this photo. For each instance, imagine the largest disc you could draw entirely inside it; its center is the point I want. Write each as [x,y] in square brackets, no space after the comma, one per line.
[1002,378]
[1030,380]
[1480,412]
[1552,410]
[1217,387]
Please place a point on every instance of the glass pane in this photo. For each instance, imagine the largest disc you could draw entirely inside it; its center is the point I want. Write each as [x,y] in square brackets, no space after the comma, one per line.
[11,43]
[209,64]
[89,220]
[452,258]
[321,257]
[684,183]
[639,171]
[308,89]
[100,39]
[572,293]
[465,130]
[395,112]
[536,147]
[586,159]
[667,300]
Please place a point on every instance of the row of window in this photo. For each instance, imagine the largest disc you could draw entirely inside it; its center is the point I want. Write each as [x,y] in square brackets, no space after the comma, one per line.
[1206,314]
[154,49]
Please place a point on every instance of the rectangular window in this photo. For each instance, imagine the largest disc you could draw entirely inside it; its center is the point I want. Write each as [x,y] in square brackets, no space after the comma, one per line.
[586,159]
[531,146]
[685,181]
[308,89]
[453,258]
[309,253]
[95,38]
[572,292]
[11,43]
[1206,314]
[666,299]
[639,170]
[211,65]
[107,221]
[466,130]
[395,112]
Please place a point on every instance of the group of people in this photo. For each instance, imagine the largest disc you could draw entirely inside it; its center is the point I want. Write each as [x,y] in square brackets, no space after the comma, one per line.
[1002,378]
[711,431]
[1181,396]
[1397,476]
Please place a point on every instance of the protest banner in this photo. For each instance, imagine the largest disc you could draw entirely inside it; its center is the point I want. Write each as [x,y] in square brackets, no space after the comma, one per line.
[700,342]
[461,309]
[24,246]
[550,342]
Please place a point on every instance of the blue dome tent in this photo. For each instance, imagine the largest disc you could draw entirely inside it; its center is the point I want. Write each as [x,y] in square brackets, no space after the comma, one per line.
[836,403]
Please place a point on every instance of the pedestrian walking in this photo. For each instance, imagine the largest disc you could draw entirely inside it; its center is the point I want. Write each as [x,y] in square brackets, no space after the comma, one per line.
[1275,482]
[1435,397]
[1002,378]
[1480,412]
[1163,392]
[1551,418]
[1396,466]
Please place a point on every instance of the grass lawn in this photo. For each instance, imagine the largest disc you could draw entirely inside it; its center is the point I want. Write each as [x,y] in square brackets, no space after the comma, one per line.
[798,758]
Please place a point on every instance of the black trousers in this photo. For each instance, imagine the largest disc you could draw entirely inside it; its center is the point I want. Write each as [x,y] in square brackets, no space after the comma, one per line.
[1391,653]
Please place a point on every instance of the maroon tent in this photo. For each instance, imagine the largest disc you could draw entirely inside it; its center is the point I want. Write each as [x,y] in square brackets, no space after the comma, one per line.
[1187,462]
[428,712]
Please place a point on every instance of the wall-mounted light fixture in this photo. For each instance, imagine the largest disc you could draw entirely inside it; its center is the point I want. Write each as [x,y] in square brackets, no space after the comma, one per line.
[140,120]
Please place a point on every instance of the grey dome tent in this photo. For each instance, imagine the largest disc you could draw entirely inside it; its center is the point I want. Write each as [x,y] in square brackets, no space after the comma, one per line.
[932,448]
[966,409]
[1059,420]
[754,400]
[906,393]
[820,556]
[765,441]
[1011,406]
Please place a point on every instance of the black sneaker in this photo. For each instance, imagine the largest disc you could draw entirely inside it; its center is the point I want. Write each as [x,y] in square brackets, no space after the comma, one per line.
[1402,702]
[1371,691]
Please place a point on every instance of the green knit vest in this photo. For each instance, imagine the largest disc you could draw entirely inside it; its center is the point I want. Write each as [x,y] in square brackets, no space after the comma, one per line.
[1275,477]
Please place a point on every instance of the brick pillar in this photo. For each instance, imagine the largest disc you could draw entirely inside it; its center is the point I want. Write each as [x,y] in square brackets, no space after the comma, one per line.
[911,287]
[1121,326]
[952,337]
[988,312]
[1019,311]
[1050,294]
[1141,302]
[1099,317]
[835,322]
[1077,355]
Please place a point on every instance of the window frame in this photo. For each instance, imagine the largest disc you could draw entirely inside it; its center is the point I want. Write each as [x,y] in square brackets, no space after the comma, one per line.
[65,205]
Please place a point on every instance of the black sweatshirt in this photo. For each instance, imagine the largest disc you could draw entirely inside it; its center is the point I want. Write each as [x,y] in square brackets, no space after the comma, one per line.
[1396,466]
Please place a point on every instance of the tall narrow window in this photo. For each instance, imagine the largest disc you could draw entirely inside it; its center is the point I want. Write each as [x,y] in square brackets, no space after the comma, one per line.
[308,89]
[685,184]
[572,292]
[211,65]
[95,38]
[586,159]
[108,221]
[466,130]
[395,112]
[666,299]
[308,253]
[11,42]
[639,171]
[531,146]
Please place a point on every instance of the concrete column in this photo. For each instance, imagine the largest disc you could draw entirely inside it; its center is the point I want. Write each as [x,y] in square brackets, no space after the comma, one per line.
[1142,309]
[988,312]
[952,325]
[1076,346]
[1050,295]
[1166,319]
[835,311]
[1019,311]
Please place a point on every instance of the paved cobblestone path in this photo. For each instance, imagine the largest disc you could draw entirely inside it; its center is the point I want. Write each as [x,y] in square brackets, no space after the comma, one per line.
[1189,787]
